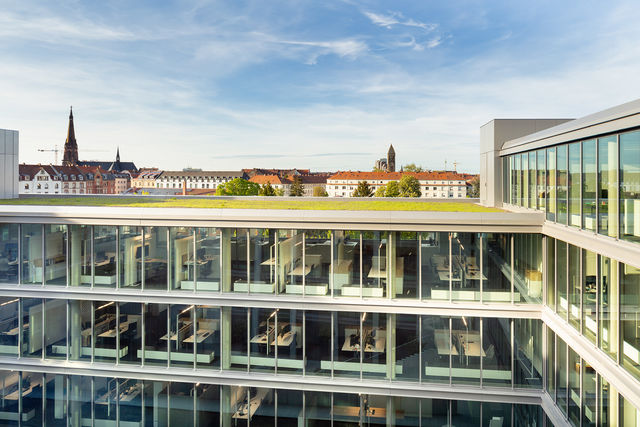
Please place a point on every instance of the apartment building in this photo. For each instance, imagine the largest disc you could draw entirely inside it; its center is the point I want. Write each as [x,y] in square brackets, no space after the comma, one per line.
[196,179]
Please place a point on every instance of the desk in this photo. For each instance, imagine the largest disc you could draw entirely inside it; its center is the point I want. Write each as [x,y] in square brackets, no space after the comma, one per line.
[246,411]
[444,276]
[380,340]
[124,327]
[16,330]
[442,343]
[201,335]
[262,337]
[354,411]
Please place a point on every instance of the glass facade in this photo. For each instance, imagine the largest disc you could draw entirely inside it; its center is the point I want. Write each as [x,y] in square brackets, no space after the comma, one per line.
[166,278]
[592,184]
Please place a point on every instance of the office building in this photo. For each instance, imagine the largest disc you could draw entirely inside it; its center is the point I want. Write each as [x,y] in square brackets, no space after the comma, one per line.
[527,316]
[8,164]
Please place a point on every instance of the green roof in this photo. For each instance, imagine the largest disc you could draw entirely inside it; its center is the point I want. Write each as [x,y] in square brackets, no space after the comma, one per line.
[254,203]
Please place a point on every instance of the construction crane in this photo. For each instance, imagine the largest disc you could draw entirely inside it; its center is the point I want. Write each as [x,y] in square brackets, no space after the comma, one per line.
[57,150]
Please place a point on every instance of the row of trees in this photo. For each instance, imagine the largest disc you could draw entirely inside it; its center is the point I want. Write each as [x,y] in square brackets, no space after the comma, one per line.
[241,187]
[408,186]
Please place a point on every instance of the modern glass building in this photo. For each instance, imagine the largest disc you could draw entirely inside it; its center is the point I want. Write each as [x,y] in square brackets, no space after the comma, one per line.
[522,317]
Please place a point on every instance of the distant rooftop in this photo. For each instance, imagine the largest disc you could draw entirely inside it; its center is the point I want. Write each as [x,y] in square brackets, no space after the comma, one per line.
[255,203]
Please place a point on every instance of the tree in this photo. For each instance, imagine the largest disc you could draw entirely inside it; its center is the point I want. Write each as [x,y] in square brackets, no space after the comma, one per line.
[266,190]
[392,189]
[474,190]
[279,192]
[297,189]
[320,192]
[238,187]
[381,191]
[409,186]
[411,167]
[363,190]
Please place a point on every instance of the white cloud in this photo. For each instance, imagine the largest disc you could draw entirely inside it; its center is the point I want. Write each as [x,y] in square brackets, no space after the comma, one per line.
[396,18]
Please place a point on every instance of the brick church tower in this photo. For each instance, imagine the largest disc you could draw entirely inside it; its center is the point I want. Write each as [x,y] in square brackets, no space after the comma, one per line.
[70,146]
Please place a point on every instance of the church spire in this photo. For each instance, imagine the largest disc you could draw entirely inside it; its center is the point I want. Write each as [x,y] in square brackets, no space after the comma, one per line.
[118,155]
[391,159]
[70,146]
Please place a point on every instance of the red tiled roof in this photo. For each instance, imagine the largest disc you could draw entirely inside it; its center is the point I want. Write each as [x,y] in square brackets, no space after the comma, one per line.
[395,176]
[271,179]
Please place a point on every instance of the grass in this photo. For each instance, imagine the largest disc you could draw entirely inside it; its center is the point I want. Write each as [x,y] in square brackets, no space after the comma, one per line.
[301,204]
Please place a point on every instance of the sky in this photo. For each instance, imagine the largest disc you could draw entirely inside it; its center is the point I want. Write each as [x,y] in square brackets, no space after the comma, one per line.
[326,85]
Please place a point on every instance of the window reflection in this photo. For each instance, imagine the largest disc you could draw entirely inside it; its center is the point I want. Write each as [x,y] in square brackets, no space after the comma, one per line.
[9,253]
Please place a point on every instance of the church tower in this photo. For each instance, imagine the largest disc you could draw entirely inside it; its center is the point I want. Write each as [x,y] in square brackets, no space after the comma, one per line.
[391,159]
[70,146]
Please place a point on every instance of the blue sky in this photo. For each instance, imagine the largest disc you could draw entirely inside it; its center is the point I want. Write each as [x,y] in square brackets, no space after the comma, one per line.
[325,85]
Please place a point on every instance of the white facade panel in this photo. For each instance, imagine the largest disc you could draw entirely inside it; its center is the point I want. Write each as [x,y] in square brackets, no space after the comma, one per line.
[8,163]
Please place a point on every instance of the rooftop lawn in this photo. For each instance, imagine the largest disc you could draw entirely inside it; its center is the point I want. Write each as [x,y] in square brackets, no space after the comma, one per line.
[299,204]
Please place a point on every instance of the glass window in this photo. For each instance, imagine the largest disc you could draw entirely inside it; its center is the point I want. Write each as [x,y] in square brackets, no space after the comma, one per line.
[32,399]
[80,261]
[465,366]
[31,250]
[527,257]
[551,184]
[541,180]
[561,278]
[374,345]
[183,262]
[551,273]
[575,286]
[56,390]
[104,332]
[435,265]
[318,342]
[562,184]
[435,412]
[609,314]
[532,180]
[32,325]
[55,329]
[496,352]
[262,334]
[465,268]
[238,336]
[207,405]
[181,336]
[524,201]
[630,318]
[156,338]
[575,366]
[207,339]
[208,259]
[131,249]
[516,180]
[589,400]
[9,326]
[155,258]
[551,370]
[129,401]
[181,403]
[589,295]
[407,347]
[55,262]
[317,255]
[290,264]
[574,185]
[561,369]
[437,349]
[287,341]
[130,332]
[105,249]
[589,185]
[347,255]
[317,408]
[80,313]
[375,274]
[496,267]
[405,256]
[630,186]
[528,353]
[347,344]
[9,253]
[608,186]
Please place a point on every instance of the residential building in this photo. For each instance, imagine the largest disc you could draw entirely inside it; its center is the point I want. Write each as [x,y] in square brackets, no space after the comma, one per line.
[193,180]
[525,315]
[439,185]
[280,172]
[312,180]
[276,181]
[145,178]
